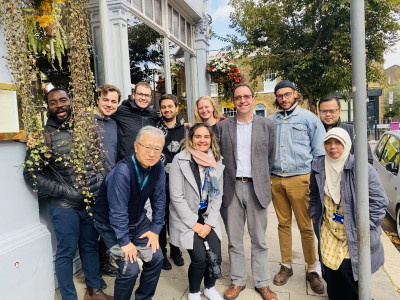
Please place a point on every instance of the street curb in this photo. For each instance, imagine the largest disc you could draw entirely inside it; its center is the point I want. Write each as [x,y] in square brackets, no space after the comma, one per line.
[392,259]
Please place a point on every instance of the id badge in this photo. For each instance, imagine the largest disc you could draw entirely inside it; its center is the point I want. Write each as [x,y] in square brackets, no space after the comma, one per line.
[338,218]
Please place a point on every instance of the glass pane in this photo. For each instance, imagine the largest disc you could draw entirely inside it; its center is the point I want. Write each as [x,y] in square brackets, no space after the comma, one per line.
[182,37]
[175,22]
[149,8]
[391,152]
[137,4]
[170,18]
[158,11]
[380,147]
[188,34]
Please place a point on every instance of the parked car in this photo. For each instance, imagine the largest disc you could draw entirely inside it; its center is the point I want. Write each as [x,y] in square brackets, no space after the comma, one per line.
[386,162]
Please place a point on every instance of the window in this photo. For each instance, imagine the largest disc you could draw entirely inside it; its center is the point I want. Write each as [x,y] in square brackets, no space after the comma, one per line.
[149,8]
[229,112]
[214,89]
[260,110]
[183,30]
[188,34]
[391,153]
[175,23]
[157,11]
[269,83]
[379,149]
[137,4]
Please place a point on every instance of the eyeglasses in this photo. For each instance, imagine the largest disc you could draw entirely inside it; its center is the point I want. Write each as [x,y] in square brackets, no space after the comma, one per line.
[143,95]
[286,95]
[149,149]
[246,97]
[330,111]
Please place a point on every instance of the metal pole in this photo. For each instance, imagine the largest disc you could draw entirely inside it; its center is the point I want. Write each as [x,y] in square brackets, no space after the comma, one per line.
[360,126]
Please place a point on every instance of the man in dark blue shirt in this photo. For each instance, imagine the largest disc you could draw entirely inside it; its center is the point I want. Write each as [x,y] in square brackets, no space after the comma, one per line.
[120,216]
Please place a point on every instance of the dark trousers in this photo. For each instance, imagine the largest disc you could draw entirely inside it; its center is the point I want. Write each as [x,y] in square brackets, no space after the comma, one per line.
[340,283]
[198,266]
[162,238]
[72,228]
[124,283]
[104,258]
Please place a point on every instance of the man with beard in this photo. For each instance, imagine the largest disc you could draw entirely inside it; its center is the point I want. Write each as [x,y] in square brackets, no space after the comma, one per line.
[56,180]
[174,130]
[299,139]
[133,114]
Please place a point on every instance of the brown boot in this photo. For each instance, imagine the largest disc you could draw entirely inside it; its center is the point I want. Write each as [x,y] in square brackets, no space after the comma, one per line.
[96,294]
[283,275]
[233,291]
[316,283]
[266,293]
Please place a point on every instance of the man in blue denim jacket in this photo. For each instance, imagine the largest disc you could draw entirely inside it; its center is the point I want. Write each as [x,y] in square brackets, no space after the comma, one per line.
[299,139]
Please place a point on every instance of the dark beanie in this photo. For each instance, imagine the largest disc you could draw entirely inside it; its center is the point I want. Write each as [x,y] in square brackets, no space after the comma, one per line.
[284,84]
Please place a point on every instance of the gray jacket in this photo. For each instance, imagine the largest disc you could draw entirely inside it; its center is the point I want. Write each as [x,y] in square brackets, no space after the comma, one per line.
[377,209]
[185,200]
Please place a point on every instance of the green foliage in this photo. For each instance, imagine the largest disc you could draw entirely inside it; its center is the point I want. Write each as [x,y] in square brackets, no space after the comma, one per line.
[309,41]
[145,46]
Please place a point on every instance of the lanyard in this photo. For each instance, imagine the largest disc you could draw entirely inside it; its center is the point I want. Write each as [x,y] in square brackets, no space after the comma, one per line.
[142,185]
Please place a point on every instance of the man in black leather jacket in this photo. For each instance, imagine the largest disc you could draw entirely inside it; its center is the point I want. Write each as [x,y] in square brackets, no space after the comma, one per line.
[56,180]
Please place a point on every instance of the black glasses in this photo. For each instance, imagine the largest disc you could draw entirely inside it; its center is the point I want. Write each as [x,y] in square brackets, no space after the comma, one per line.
[286,95]
[149,149]
[330,111]
[143,95]
[246,97]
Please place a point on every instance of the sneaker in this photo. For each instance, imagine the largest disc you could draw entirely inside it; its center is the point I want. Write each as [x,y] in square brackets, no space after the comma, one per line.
[176,256]
[283,275]
[212,294]
[103,284]
[316,283]
[166,265]
[194,296]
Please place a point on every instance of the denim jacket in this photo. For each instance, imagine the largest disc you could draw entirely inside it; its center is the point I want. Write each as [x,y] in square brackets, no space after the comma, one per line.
[299,139]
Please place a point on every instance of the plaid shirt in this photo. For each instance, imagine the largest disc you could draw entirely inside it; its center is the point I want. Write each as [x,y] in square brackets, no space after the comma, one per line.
[334,247]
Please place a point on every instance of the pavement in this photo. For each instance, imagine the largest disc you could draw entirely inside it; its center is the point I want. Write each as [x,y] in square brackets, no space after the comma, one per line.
[173,284]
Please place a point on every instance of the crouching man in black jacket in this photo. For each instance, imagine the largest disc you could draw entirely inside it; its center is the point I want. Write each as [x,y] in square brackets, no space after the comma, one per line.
[72,223]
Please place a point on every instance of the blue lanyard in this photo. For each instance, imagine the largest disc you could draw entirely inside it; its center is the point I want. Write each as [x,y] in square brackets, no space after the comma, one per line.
[142,185]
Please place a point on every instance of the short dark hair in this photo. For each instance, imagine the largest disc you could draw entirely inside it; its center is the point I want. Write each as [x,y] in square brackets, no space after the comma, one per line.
[245,85]
[170,97]
[105,88]
[327,99]
[46,96]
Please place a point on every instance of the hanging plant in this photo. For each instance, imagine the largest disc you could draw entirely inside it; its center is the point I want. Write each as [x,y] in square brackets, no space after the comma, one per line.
[45,33]
[226,74]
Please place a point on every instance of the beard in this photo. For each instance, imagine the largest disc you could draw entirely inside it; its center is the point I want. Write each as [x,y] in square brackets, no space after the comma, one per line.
[53,115]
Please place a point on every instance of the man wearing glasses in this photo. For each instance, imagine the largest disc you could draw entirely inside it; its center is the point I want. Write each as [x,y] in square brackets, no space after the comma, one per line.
[120,215]
[132,115]
[299,139]
[329,114]
[248,146]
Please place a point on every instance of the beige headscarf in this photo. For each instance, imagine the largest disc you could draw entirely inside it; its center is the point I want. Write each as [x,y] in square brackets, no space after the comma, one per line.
[333,167]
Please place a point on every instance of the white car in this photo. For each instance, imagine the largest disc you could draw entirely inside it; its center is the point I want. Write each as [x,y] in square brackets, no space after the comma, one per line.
[386,162]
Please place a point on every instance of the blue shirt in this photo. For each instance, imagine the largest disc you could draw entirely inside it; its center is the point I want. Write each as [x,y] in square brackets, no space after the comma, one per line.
[118,194]
[299,139]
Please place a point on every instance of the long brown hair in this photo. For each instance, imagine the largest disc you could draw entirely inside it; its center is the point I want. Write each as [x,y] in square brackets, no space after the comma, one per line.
[217,110]
[188,141]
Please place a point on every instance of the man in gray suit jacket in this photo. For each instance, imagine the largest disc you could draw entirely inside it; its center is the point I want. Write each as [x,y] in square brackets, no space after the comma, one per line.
[248,147]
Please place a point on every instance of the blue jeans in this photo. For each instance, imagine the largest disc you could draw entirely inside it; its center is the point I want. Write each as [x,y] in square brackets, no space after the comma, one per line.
[72,228]
[124,283]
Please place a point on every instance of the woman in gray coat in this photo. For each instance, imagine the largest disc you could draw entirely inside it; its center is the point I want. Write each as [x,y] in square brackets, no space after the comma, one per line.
[195,185]
[333,211]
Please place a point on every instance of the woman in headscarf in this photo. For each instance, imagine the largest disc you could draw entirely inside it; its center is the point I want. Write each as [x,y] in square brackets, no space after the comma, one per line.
[196,187]
[333,211]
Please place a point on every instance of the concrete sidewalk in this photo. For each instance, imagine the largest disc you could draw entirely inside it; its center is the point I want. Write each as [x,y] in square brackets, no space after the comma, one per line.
[173,284]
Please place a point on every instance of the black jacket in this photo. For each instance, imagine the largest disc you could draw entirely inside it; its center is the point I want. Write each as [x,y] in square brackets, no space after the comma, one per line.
[55,180]
[350,130]
[130,119]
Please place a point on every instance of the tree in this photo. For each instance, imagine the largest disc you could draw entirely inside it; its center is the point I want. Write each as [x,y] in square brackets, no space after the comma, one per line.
[145,46]
[309,41]
[395,107]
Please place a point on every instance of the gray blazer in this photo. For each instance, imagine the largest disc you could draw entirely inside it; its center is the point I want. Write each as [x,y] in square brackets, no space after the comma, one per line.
[185,200]
[262,157]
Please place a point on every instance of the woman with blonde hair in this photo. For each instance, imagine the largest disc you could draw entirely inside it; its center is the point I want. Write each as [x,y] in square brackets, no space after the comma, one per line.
[196,187]
[207,110]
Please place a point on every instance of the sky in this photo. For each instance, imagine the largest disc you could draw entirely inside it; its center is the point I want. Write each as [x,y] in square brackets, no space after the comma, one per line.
[220,10]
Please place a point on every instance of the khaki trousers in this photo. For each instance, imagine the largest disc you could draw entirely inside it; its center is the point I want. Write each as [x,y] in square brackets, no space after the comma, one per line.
[292,193]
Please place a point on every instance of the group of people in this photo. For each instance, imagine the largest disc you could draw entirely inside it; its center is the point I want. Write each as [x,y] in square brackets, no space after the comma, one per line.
[193,174]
